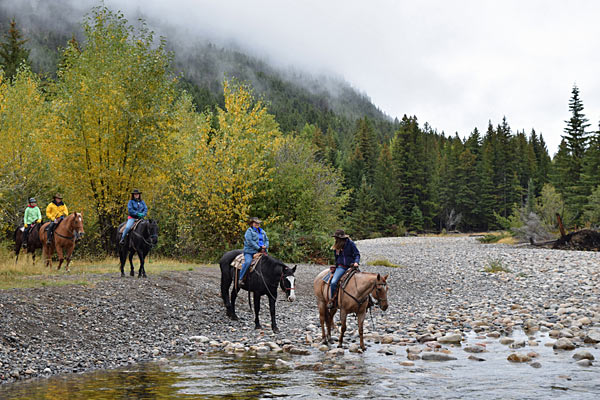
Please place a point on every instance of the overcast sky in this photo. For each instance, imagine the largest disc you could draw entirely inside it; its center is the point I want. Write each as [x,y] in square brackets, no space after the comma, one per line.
[454,64]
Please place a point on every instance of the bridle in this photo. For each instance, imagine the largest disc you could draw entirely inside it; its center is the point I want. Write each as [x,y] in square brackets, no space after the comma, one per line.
[148,243]
[282,280]
[377,288]
[71,238]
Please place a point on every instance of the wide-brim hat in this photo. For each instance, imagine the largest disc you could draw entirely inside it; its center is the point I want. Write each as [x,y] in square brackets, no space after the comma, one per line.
[135,191]
[340,234]
[254,219]
[58,196]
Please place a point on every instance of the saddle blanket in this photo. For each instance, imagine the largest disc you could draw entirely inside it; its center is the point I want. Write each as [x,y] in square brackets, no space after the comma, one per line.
[344,278]
[137,221]
[239,261]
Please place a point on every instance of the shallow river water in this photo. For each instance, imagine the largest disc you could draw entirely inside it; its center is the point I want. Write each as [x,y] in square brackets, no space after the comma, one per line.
[373,375]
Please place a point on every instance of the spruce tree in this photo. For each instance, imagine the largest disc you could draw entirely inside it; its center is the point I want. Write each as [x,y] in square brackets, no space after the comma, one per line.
[12,51]
[576,138]
[591,163]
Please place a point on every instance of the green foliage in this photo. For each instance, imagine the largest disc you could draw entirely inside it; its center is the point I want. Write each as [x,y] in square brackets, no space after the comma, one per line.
[13,53]
[385,263]
[494,237]
[495,266]
[591,214]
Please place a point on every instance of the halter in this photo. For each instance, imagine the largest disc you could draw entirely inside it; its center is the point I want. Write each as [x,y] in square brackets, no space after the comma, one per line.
[377,287]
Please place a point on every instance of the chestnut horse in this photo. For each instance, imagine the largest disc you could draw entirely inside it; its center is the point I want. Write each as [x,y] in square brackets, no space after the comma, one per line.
[353,298]
[65,235]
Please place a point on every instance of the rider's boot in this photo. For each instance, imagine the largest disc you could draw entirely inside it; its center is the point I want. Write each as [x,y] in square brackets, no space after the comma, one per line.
[331,302]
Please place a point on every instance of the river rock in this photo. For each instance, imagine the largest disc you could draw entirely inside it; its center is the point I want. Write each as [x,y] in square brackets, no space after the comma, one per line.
[261,350]
[563,344]
[283,364]
[583,354]
[536,364]
[355,348]
[413,356]
[299,351]
[474,349]
[453,338]
[425,338]
[407,363]
[387,339]
[337,352]
[201,339]
[507,341]
[584,363]
[323,347]
[437,357]
[413,349]
[475,358]
[518,357]
[593,336]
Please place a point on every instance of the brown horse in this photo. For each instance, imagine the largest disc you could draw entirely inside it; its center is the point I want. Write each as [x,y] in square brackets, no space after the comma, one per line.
[65,235]
[33,241]
[354,298]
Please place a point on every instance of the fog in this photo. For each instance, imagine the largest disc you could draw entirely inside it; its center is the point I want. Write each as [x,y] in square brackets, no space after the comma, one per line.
[453,64]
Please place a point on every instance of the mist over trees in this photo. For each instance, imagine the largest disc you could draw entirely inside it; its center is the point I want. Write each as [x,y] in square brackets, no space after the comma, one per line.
[213,136]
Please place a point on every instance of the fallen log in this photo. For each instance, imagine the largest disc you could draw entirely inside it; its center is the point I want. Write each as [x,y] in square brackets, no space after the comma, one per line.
[584,239]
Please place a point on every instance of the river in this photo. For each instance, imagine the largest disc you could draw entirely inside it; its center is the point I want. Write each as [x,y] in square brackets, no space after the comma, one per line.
[369,375]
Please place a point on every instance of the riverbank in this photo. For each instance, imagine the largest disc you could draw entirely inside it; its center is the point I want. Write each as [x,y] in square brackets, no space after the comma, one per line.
[441,295]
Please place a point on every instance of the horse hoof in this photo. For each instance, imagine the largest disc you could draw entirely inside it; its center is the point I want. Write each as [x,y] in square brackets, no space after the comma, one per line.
[276,330]
[257,326]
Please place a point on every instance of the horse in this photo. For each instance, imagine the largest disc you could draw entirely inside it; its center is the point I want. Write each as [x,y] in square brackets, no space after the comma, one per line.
[33,241]
[140,240]
[69,230]
[268,273]
[353,298]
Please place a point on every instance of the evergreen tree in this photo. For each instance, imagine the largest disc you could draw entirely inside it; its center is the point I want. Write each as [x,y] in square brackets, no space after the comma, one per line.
[363,159]
[12,51]
[591,163]
[576,137]
[384,192]
[363,220]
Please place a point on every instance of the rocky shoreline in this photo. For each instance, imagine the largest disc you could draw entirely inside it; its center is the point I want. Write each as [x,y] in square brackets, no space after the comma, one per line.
[441,295]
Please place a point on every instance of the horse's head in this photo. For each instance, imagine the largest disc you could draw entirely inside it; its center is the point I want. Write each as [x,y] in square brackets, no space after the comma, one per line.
[288,282]
[379,292]
[77,225]
[153,231]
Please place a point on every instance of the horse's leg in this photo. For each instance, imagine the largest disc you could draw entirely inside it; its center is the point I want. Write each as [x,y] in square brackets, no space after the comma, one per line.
[361,319]
[343,316]
[323,319]
[122,259]
[18,244]
[131,254]
[272,303]
[68,256]
[225,283]
[234,293]
[141,270]
[59,252]
[256,310]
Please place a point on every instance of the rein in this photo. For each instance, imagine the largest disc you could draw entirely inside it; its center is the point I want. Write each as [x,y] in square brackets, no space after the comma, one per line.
[71,238]
[360,302]
[148,243]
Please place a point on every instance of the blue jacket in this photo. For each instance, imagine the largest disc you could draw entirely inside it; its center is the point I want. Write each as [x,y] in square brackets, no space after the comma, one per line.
[348,255]
[252,239]
[136,207]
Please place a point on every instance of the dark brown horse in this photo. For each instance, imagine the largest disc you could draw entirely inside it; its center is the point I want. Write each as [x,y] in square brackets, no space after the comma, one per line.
[63,241]
[33,241]
[353,298]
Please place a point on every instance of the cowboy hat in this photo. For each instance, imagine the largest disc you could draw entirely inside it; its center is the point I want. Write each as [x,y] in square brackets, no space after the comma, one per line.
[340,234]
[254,219]
[135,191]
[58,196]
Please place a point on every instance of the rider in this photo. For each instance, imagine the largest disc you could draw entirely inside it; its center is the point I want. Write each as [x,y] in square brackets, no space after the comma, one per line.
[255,240]
[55,212]
[137,209]
[346,256]
[32,215]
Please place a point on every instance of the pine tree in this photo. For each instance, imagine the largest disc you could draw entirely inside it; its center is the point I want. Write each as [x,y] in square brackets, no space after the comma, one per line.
[12,51]
[384,192]
[576,139]
[591,163]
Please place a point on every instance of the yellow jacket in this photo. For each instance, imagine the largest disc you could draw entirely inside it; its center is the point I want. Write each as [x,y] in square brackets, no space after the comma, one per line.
[54,210]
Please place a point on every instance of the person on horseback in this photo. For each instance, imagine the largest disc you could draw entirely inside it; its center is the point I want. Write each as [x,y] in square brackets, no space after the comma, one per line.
[32,215]
[346,255]
[136,209]
[55,212]
[255,240]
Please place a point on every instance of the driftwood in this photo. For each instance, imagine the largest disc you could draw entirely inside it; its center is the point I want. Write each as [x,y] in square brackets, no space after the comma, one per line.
[584,239]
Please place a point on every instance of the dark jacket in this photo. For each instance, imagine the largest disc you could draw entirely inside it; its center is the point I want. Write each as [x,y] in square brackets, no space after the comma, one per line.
[348,255]
[137,208]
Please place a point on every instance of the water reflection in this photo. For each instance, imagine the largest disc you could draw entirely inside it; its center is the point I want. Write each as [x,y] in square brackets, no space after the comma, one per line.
[222,376]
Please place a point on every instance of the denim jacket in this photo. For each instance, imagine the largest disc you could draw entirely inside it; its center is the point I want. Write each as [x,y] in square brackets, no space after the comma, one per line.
[348,256]
[251,240]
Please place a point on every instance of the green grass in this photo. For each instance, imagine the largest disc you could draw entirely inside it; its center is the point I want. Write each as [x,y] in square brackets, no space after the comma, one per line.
[495,237]
[495,266]
[384,263]
[24,274]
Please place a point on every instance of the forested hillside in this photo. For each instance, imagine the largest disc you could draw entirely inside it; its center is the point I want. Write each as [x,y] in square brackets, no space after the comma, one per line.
[213,136]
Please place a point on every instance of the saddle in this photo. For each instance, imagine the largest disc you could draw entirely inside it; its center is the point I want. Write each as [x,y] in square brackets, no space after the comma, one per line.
[343,280]
[239,261]
[135,224]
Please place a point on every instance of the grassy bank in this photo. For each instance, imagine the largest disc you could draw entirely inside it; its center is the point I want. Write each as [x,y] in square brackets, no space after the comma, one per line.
[25,274]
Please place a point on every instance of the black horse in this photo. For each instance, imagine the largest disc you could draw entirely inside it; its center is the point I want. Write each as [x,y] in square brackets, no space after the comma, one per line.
[139,240]
[269,273]
[33,241]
